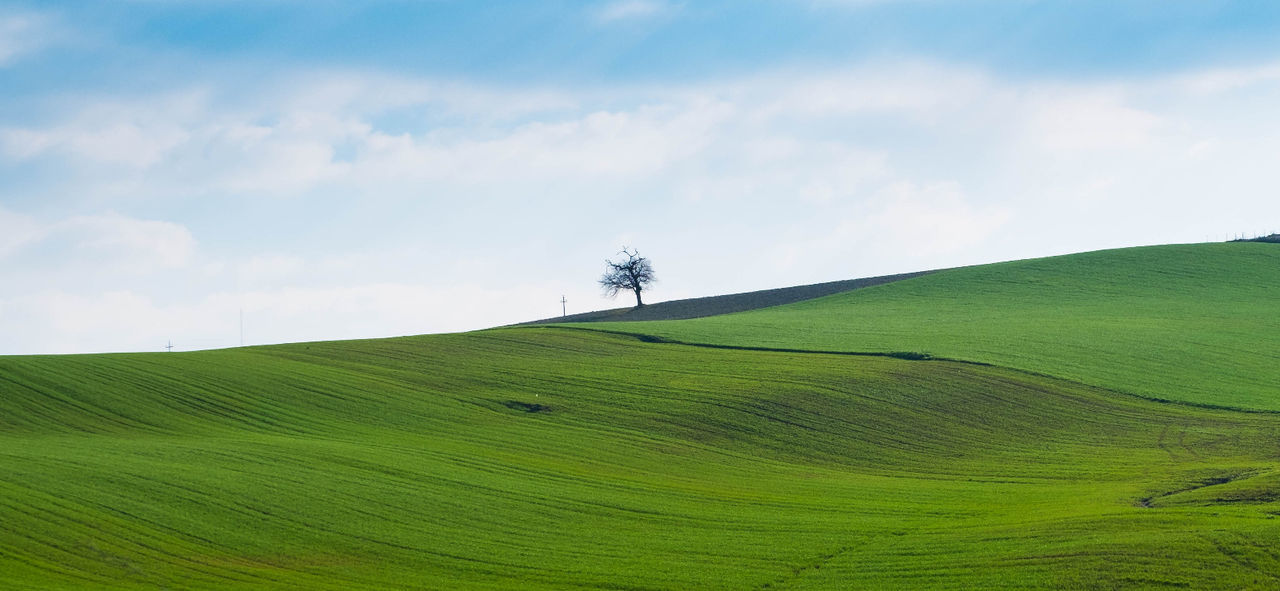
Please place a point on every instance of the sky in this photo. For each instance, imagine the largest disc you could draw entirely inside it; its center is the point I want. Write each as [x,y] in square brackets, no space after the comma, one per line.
[327,169]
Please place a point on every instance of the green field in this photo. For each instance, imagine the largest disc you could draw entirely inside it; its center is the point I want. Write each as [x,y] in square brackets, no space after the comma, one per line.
[1194,323]
[553,457]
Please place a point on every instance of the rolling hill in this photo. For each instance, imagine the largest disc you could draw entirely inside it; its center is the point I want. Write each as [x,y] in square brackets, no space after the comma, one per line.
[1192,323]
[568,457]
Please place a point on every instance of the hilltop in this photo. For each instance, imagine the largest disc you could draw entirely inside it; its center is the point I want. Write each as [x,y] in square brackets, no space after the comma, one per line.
[1194,323]
[1271,238]
[727,304]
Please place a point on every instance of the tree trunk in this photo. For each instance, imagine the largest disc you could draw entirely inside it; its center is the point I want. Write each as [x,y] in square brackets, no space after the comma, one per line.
[638,302]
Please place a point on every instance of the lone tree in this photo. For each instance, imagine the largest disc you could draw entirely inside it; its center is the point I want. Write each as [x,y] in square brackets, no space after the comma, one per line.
[633,274]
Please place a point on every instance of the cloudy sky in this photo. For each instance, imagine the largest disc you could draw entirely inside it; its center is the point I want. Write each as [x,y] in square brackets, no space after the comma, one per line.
[344,169]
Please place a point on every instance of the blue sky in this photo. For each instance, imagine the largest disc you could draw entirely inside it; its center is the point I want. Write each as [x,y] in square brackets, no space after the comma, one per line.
[358,169]
[647,40]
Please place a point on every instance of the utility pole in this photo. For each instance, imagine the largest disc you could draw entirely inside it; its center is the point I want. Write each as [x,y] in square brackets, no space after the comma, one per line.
[241,327]
[564,311]
[169,347]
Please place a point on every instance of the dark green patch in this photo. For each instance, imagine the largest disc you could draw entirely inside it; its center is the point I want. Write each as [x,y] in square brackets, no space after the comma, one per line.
[910,355]
[525,406]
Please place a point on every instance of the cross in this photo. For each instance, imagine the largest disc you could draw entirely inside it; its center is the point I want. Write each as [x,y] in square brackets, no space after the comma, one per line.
[563,310]
[169,347]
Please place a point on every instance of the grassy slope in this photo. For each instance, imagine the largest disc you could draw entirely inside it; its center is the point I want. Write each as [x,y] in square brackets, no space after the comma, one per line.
[550,458]
[1197,323]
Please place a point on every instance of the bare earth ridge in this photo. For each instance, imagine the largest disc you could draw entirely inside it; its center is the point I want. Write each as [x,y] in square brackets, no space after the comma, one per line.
[728,304]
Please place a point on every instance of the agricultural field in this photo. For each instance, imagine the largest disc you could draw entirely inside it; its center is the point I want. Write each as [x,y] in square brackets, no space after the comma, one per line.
[1192,323]
[574,457]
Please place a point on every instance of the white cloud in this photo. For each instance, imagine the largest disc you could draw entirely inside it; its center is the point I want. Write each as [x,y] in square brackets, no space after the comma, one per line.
[903,222]
[312,132]
[23,34]
[187,143]
[16,231]
[625,10]
[121,143]
[139,245]
[929,220]
[59,321]
[1088,120]
[1220,80]
[112,133]
[270,268]
[919,90]
[108,242]
[862,3]
[879,168]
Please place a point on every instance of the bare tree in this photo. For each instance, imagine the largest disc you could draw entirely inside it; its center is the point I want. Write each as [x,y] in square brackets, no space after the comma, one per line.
[633,274]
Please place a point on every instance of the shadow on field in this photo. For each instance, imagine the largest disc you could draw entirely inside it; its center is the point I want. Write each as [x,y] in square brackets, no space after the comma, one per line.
[525,406]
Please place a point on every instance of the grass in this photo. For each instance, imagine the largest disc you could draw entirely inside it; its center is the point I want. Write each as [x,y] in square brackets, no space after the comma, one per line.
[545,458]
[570,457]
[1191,323]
